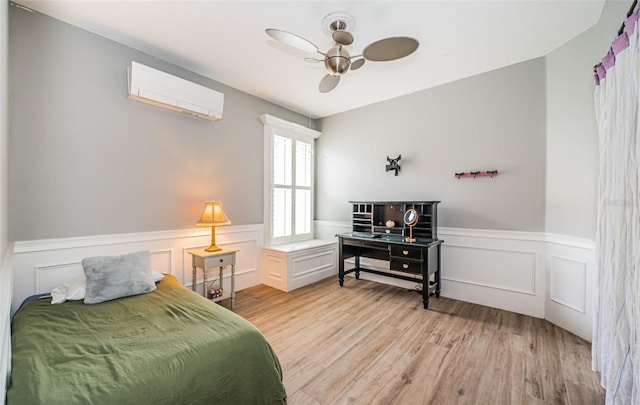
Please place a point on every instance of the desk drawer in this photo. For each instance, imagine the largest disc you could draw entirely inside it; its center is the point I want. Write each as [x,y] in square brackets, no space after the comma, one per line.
[406,252]
[406,266]
[219,261]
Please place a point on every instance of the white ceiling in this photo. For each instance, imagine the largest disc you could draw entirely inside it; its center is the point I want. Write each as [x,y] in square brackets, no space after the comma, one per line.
[226,41]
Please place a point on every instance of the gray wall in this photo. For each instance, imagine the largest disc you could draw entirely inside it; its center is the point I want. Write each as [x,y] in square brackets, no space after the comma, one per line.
[85,160]
[4,128]
[572,135]
[491,121]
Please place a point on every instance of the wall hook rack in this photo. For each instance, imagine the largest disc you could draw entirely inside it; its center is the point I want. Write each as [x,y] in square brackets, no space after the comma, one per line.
[486,173]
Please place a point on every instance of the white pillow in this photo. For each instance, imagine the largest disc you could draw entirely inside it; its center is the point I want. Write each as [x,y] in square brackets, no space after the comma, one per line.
[73,290]
[76,289]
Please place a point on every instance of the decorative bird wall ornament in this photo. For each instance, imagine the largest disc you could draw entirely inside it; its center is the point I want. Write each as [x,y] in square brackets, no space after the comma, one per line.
[394,164]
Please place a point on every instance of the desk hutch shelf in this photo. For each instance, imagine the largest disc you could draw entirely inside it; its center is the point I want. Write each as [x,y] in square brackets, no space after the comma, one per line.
[378,232]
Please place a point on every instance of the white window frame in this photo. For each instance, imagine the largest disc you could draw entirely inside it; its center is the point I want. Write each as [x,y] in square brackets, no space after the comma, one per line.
[276,126]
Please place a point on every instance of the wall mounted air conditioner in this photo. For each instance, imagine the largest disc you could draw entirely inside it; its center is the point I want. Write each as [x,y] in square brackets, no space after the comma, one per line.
[161,89]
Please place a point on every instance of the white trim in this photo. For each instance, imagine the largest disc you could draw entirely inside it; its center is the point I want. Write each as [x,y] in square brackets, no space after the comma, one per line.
[492,233]
[570,241]
[42,245]
[567,240]
[291,126]
[532,281]
[582,305]
[296,133]
[298,264]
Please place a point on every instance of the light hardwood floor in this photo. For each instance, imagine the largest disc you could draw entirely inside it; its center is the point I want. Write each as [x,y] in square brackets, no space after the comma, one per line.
[370,343]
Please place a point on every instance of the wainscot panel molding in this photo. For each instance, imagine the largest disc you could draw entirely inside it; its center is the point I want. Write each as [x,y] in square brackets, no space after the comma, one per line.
[294,265]
[499,269]
[6,291]
[571,280]
[533,273]
[40,265]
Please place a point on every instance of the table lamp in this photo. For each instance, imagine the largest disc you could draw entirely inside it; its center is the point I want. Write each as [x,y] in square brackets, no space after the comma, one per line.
[213,216]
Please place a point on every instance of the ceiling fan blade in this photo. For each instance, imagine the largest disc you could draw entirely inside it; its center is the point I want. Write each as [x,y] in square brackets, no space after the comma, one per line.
[390,49]
[357,64]
[313,60]
[342,37]
[328,83]
[293,40]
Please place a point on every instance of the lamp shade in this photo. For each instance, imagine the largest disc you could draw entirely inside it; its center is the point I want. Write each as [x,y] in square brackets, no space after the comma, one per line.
[213,215]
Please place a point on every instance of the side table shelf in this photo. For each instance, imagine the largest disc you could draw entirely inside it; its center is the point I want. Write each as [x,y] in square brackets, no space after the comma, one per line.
[211,260]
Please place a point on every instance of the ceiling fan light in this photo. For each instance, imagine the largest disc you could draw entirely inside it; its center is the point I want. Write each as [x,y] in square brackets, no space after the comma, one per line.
[337,60]
[337,65]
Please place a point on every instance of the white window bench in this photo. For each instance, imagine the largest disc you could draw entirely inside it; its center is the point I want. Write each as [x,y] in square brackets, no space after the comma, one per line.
[294,265]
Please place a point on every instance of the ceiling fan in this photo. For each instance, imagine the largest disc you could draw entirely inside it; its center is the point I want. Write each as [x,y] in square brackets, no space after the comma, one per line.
[337,60]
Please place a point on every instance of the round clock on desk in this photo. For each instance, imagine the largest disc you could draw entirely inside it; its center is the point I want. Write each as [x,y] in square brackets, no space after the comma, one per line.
[410,219]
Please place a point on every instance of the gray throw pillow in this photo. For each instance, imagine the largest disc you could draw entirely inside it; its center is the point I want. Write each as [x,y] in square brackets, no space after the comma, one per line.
[111,277]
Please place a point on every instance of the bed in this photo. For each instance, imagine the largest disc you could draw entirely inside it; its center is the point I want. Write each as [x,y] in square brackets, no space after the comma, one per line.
[168,346]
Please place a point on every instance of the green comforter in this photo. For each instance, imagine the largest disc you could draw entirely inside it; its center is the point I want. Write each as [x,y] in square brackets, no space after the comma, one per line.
[170,346]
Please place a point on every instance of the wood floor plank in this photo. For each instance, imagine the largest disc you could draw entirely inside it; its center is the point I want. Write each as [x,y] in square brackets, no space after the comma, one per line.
[500,381]
[378,379]
[459,380]
[370,343]
[300,398]
[300,372]
[329,384]
[420,380]
[543,368]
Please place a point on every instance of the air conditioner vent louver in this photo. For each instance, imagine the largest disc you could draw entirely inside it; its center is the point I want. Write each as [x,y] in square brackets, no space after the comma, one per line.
[161,89]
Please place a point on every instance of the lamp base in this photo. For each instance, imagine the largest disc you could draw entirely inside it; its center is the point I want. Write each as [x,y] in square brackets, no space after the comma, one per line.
[213,247]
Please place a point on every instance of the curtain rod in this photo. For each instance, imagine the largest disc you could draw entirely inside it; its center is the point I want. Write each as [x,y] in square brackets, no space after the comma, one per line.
[633,6]
[620,31]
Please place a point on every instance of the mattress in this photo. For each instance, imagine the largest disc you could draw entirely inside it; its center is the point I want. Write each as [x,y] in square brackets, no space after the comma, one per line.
[170,346]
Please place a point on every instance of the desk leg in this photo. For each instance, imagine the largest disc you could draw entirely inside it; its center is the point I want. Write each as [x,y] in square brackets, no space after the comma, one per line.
[425,280]
[438,275]
[193,280]
[233,285]
[357,267]
[340,264]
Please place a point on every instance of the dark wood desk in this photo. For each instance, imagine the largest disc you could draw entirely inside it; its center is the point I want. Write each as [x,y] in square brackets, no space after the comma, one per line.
[406,260]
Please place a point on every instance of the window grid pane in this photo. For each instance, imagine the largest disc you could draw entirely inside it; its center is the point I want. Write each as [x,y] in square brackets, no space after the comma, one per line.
[282,159]
[303,164]
[303,211]
[282,204]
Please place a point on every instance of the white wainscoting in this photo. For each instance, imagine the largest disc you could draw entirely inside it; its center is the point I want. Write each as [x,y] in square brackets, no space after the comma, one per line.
[537,274]
[571,281]
[532,273]
[40,265]
[499,269]
[6,287]
[294,265]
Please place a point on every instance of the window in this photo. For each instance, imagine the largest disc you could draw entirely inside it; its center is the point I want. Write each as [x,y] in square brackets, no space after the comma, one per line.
[288,181]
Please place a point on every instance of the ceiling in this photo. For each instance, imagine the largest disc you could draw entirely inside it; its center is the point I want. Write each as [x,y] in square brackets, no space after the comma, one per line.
[226,41]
